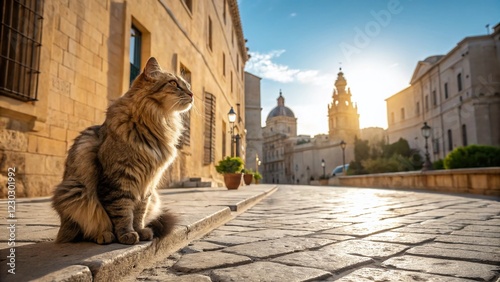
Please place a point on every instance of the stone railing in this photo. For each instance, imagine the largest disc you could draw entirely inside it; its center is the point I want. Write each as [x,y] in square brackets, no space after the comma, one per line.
[482,181]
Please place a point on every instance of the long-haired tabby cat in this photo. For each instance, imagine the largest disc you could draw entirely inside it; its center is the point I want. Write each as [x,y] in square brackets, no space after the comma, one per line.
[108,191]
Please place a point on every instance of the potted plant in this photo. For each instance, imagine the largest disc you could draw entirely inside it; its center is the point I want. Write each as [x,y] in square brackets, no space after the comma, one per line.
[230,168]
[247,176]
[257,176]
[323,180]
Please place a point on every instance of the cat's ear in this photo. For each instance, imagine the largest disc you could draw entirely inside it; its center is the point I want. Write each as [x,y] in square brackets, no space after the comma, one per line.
[152,68]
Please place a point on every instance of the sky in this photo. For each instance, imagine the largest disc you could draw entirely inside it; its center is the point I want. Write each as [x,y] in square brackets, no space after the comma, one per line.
[298,46]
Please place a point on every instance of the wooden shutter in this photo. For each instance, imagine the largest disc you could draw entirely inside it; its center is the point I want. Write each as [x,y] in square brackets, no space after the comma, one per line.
[209,140]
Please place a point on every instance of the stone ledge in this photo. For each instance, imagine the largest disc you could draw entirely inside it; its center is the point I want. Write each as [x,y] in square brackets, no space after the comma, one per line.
[481,181]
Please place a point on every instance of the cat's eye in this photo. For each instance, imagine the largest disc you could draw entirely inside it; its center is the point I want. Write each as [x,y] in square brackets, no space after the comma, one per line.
[173,83]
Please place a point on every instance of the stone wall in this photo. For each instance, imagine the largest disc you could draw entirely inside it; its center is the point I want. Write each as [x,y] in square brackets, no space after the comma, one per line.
[481,181]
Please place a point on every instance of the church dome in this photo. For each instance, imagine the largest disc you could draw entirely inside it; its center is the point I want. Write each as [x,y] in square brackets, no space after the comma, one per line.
[280,110]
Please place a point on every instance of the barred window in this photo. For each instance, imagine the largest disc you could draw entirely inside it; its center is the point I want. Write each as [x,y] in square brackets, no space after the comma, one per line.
[21,37]
[186,117]
[209,141]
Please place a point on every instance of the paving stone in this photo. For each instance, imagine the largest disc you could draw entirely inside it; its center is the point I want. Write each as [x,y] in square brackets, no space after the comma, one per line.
[333,237]
[326,260]
[277,247]
[399,237]
[233,240]
[469,255]
[379,275]
[268,271]
[201,246]
[233,228]
[469,240]
[206,260]
[455,268]
[174,278]
[476,234]
[423,230]
[365,248]
[363,229]
[487,249]
[273,233]
[482,228]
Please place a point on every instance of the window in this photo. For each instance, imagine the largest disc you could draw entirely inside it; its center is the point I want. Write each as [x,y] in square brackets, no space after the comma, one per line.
[417,110]
[434,98]
[209,39]
[464,135]
[446,90]
[435,146]
[223,64]
[402,113]
[392,118]
[135,53]
[21,33]
[185,139]
[459,82]
[450,140]
[209,139]
[224,15]
[189,5]
[231,81]
[426,102]
[224,137]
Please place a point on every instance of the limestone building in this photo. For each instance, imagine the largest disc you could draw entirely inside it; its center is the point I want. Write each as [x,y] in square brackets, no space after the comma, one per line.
[253,122]
[64,61]
[457,94]
[343,117]
[297,159]
[281,125]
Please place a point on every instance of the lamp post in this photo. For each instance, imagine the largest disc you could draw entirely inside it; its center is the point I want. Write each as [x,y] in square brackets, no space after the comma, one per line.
[323,165]
[231,116]
[426,132]
[257,163]
[342,145]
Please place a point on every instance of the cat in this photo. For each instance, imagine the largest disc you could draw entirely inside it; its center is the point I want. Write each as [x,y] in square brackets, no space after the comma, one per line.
[109,187]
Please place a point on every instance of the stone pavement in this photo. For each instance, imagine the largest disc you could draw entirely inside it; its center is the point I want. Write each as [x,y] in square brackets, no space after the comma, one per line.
[36,257]
[307,233]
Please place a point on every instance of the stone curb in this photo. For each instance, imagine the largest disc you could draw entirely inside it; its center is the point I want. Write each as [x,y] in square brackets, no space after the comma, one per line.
[91,262]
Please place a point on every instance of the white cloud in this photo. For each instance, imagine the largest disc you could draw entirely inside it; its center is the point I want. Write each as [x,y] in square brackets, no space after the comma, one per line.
[261,64]
[293,15]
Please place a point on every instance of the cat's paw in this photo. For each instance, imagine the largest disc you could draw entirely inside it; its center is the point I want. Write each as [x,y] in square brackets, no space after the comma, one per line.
[129,238]
[106,237]
[145,234]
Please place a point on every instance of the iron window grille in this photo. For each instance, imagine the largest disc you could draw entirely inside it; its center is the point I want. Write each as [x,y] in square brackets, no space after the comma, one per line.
[21,36]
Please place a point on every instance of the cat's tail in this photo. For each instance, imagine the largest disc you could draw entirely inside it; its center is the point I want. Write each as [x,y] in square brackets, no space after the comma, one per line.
[163,224]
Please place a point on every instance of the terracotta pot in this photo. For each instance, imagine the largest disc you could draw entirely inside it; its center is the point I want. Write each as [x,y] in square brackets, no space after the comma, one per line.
[232,180]
[247,178]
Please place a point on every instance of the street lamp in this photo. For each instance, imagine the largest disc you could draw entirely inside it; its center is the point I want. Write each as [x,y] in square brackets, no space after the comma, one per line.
[323,165]
[257,163]
[232,118]
[342,145]
[426,132]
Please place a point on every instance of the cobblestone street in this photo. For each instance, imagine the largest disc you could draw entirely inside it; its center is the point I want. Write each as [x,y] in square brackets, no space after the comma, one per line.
[307,233]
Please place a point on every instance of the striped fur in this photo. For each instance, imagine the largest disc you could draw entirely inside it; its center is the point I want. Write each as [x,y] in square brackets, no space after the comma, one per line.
[109,188]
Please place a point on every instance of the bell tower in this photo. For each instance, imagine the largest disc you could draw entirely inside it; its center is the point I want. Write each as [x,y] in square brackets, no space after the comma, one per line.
[343,117]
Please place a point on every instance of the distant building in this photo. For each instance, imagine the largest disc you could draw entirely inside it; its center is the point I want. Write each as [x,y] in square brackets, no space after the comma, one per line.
[281,125]
[457,94]
[61,66]
[293,159]
[253,123]
[343,117]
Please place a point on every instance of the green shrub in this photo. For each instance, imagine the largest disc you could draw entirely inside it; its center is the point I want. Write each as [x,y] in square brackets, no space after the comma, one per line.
[381,165]
[229,165]
[473,156]
[439,164]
